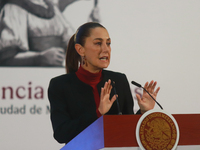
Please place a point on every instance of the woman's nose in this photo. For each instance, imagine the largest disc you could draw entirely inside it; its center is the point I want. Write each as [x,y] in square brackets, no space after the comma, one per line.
[105,48]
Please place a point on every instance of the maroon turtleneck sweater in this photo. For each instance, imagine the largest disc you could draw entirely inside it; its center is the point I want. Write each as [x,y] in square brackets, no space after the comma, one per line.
[91,79]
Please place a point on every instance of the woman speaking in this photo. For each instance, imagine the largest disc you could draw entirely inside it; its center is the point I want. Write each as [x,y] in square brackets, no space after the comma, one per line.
[85,93]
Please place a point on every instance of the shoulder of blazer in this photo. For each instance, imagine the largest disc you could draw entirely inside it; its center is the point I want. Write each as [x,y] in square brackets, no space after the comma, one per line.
[63,79]
[111,74]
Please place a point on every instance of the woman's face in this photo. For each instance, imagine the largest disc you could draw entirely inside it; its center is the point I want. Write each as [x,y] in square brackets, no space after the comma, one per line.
[97,50]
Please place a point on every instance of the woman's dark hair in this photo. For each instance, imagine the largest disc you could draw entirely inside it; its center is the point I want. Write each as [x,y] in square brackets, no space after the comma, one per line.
[73,59]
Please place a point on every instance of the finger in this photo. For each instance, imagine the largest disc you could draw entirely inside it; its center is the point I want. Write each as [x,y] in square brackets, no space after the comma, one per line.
[150,87]
[60,55]
[109,85]
[109,91]
[102,93]
[105,86]
[154,85]
[138,98]
[59,60]
[156,92]
[109,81]
[113,98]
[146,85]
[58,49]
[110,88]
[61,51]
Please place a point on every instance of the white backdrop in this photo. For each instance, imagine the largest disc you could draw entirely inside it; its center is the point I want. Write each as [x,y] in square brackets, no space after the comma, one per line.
[155,39]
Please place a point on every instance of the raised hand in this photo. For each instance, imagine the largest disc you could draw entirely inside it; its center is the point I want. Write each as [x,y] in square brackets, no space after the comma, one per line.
[105,103]
[146,102]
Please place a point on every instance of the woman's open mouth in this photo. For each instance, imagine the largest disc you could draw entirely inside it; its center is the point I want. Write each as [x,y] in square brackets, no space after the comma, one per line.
[104,58]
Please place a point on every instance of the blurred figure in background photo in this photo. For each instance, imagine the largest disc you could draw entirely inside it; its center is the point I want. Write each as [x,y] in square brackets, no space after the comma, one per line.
[35,32]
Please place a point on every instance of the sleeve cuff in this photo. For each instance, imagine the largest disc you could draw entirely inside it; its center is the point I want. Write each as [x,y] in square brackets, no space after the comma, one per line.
[98,113]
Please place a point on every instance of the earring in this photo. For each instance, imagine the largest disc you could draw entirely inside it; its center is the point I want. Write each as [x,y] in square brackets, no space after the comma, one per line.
[84,61]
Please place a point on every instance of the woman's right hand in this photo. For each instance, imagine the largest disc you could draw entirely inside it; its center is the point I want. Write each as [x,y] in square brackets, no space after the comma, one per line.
[105,103]
[53,56]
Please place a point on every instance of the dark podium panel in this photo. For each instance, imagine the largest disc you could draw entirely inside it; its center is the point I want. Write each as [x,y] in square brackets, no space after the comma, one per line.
[119,131]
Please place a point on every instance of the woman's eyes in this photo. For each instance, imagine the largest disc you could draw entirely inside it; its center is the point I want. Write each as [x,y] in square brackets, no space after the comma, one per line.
[108,43]
[99,43]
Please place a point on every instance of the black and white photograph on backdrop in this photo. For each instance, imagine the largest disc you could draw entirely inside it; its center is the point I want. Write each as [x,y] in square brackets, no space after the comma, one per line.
[36,32]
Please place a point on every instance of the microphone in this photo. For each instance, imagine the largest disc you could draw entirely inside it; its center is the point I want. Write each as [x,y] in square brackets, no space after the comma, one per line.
[138,85]
[119,111]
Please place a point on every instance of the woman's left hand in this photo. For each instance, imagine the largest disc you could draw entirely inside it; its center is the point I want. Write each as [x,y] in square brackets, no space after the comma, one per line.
[146,102]
[105,103]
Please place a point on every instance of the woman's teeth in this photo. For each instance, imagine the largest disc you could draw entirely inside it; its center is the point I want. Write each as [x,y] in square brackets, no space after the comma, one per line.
[103,58]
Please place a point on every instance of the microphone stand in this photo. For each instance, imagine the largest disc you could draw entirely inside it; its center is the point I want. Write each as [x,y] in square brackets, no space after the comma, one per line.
[119,111]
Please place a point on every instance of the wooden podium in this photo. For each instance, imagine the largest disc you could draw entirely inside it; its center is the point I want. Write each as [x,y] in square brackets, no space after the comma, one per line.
[119,131]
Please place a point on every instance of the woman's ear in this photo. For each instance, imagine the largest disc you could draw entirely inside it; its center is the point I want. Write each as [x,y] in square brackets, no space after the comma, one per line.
[80,49]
